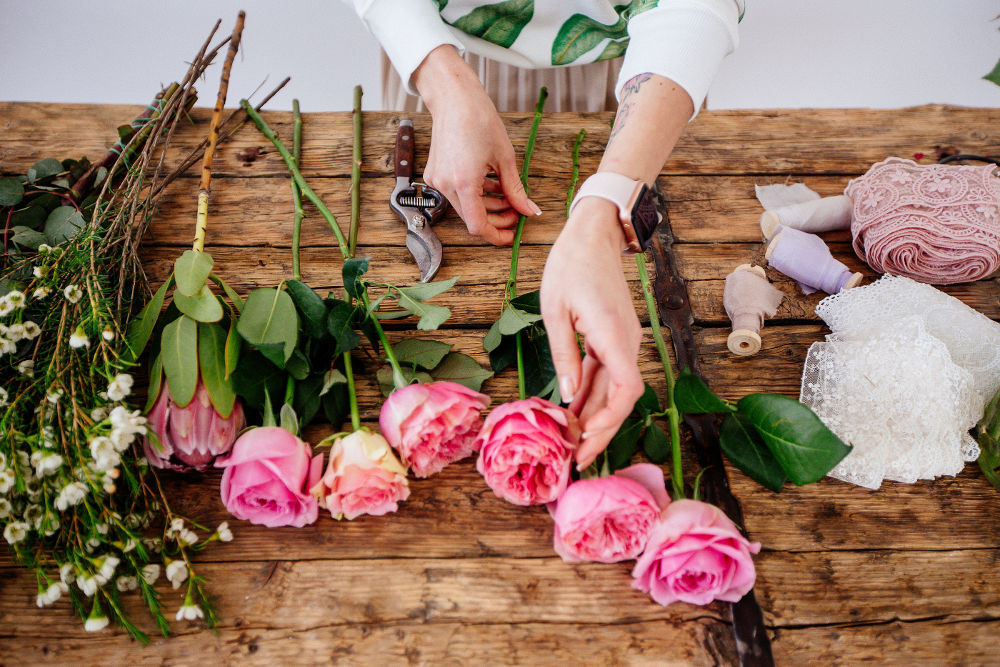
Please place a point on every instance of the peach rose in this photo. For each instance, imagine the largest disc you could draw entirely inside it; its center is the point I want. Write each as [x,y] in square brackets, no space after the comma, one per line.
[363,477]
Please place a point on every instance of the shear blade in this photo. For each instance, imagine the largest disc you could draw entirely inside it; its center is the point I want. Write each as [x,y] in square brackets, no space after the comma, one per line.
[426,250]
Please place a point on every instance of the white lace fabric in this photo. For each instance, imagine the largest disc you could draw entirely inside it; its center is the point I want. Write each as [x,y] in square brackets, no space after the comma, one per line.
[902,378]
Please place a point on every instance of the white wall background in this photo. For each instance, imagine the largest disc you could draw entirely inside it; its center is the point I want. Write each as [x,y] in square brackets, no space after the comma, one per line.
[794,53]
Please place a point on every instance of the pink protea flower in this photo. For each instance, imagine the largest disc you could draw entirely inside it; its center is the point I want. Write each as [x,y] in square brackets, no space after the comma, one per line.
[432,424]
[191,437]
[362,477]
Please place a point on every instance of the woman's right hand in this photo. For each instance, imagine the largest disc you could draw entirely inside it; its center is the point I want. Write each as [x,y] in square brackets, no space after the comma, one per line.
[468,143]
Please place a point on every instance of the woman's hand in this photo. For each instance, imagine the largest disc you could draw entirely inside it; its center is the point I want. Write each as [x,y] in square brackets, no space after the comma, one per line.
[468,143]
[584,290]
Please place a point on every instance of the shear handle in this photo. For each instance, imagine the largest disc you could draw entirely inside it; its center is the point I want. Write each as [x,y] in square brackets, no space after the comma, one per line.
[404,150]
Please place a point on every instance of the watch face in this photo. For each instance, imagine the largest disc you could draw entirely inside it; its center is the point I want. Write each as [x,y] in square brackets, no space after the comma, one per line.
[647,213]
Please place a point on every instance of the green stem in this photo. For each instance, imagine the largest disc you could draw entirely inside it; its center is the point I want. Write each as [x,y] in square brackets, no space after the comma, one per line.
[397,372]
[351,393]
[297,175]
[521,392]
[355,175]
[296,192]
[576,170]
[510,289]
[673,416]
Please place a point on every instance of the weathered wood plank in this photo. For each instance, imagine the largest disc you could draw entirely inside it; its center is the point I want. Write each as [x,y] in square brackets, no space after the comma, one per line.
[808,141]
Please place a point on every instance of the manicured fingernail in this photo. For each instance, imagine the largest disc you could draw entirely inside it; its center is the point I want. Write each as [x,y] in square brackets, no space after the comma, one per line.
[584,435]
[566,389]
[580,467]
[534,207]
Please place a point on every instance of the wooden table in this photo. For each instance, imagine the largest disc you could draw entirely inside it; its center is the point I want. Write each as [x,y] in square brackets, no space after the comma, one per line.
[908,573]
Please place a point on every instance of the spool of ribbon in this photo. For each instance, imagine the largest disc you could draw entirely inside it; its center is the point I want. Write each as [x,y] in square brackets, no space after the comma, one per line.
[799,207]
[748,298]
[807,259]
[938,224]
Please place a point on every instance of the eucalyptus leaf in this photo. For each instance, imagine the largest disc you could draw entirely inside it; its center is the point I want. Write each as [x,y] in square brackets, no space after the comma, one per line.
[624,443]
[203,307]
[310,305]
[656,443]
[339,323]
[804,447]
[421,352]
[288,420]
[269,318]
[155,383]
[230,292]
[11,191]
[26,237]
[353,269]
[179,350]
[212,362]
[462,369]
[62,224]
[385,383]
[431,316]
[191,270]
[330,378]
[46,167]
[141,328]
[425,291]
[233,345]
[513,320]
[745,449]
[297,365]
[693,397]
[492,339]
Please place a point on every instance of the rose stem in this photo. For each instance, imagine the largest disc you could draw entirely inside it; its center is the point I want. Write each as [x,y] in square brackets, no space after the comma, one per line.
[397,372]
[355,174]
[296,193]
[677,476]
[576,169]
[297,175]
[213,135]
[351,392]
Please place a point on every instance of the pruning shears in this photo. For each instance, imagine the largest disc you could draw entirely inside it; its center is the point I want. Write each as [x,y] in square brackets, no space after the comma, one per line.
[418,205]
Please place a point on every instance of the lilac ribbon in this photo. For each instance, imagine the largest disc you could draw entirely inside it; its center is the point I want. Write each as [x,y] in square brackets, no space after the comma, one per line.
[805,257]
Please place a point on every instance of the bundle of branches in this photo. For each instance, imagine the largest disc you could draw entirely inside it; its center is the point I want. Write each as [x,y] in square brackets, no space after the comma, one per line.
[79,505]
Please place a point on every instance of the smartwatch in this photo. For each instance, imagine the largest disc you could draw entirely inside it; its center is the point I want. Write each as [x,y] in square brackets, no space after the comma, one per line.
[640,207]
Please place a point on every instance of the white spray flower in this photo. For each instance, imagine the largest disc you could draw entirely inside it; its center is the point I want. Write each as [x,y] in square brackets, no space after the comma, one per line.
[31,330]
[150,573]
[79,338]
[70,495]
[17,531]
[99,414]
[15,332]
[6,307]
[88,584]
[104,452]
[97,620]
[73,293]
[225,535]
[7,480]
[44,249]
[49,464]
[17,299]
[54,396]
[108,334]
[5,508]
[125,584]
[41,292]
[67,574]
[189,611]
[26,367]
[7,346]
[4,397]
[120,387]
[177,572]
[187,537]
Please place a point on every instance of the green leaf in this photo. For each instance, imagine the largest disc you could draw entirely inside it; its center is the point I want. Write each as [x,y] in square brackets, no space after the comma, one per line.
[353,269]
[431,316]
[539,371]
[529,302]
[230,292]
[203,307]
[513,320]
[269,318]
[492,339]
[425,291]
[339,324]
[310,305]
[994,75]
[384,377]
[692,396]
[330,378]
[580,33]
[254,373]
[141,328]
[656,443]
[420,352]
[212,361]
[337,406]
[307,400]
[26,237]
[648,403]
[179,350]
[463,369]
[11,191]
[744,447]
[298,366]
[233,346]
[624,443]
[63,223]
[503,355]
[802,444]
[46,167]
[191,270]
[499,23]
[288,419]
[155,382]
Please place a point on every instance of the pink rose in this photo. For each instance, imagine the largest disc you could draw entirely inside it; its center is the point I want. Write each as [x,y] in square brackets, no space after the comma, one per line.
[266,478]
[363,477]
[432,424]
[526,450]
[695,554]
[608,519]
[189,438]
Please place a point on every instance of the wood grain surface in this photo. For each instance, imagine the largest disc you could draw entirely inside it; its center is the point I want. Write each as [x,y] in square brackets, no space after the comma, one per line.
[906,574]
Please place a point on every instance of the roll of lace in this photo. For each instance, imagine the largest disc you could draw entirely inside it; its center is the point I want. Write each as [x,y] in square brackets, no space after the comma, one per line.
[748,298]
[807,259]
[937,224]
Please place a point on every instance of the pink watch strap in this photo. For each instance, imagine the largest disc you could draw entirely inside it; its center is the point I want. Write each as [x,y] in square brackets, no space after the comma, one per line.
[621,191]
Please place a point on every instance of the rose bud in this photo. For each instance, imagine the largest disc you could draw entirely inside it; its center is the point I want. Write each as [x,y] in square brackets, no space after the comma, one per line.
[608,519]
[526,450]
[267,477]
[432,424]
[695,554]
[363,477]
[190,438]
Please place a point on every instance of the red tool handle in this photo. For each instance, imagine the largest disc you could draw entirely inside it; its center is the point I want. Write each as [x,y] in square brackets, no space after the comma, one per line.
[404,149]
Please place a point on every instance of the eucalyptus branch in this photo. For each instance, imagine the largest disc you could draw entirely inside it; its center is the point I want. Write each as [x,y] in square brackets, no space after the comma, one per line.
[355,174]
[296,192]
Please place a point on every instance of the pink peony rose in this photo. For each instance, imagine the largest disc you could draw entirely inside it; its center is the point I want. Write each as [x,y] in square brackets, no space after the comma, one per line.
[695,554]
[266,478]
[432,424]
[190,438]
[608,519]
[526,450]
[363,477]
